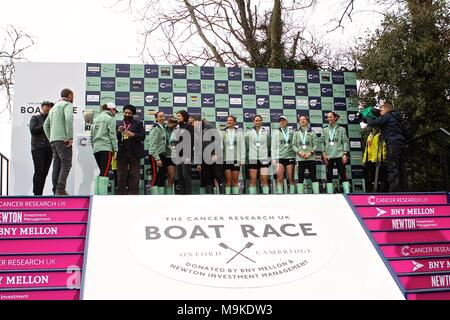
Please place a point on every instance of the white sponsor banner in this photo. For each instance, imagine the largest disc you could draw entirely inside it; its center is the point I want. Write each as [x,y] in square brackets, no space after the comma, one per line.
[36,82]
[215,249]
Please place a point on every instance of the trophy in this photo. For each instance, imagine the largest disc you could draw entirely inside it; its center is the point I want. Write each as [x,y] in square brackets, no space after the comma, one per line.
[88,115]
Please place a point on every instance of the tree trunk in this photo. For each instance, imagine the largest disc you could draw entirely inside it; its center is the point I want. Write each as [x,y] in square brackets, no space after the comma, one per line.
[275,36]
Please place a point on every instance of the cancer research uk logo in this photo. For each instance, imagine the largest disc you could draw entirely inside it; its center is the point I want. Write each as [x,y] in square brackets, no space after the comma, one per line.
[232,251]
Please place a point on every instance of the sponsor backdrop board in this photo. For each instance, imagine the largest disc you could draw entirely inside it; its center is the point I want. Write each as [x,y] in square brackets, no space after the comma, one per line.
[272,248]
[413,233]
[216,92]
[212,92]
[42,244]
[34,83]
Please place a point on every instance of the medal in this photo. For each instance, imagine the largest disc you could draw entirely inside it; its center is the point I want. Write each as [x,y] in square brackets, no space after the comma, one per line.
[332,135]
[231,133]
[125,136]
[286,136]
[258,137]
[303,138]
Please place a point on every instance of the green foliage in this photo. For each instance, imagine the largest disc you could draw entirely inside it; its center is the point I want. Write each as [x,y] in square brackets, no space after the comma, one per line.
[408,59]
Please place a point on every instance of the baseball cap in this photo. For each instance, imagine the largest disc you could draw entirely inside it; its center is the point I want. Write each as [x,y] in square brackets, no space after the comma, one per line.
[282,118]
[47,103]
[111,106]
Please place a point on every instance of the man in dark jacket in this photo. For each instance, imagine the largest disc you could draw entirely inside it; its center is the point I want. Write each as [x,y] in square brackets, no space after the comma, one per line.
[40,149]
[393,133]
[184,146]
[209,156]
[130,136]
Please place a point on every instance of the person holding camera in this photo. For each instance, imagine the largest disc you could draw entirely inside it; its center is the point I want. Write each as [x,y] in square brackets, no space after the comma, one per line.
[335,151]
[394,134]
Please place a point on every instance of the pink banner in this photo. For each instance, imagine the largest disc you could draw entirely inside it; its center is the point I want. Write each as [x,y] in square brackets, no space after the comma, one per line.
[24,217]
[40,262]
[13,203]
[429,296]
[43,231]
[400,199]
[42,246]
[411,236]
[70,280]
[421,265]
[416,250]
[426,282]
[403,212]
[407,224]
[41,295]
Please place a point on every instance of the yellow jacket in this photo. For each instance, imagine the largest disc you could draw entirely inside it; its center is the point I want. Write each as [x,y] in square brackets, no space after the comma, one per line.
[114,164]
[373,152]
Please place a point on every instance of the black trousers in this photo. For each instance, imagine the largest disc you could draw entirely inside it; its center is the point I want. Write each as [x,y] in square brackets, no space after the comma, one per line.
[184,180]
[159,174]
[128,174]
[396,159]
[42,159]
[103,159]
[340,167]
[302,166]
[209,173]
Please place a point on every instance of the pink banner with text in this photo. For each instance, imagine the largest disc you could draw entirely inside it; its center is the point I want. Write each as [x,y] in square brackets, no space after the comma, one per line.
[40,262]
[43,231]
[41,295]
[50,203]
[70,279]
[416,250]
[421,265]
[38,216]
[403,212]
[426,281]
[408,224]
[398,200]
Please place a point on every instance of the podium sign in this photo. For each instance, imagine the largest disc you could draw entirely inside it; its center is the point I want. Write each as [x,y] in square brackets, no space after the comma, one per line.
[188,247]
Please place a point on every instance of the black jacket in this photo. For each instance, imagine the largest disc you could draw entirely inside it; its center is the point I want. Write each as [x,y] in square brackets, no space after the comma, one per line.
[212,141]
[137,142]
[392,129]
[180,131]
[38,138]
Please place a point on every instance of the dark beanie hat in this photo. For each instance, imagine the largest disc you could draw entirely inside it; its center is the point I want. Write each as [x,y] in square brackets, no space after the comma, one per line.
[131,108]
[184,114]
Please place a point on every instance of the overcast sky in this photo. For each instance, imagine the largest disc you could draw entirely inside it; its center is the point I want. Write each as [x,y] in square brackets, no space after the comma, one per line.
[90,31]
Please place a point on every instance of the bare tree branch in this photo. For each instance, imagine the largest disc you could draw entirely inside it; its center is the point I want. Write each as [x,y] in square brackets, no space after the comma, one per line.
[15,43]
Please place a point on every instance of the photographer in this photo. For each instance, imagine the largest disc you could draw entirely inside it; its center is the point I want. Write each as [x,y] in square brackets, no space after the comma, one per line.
[393,133]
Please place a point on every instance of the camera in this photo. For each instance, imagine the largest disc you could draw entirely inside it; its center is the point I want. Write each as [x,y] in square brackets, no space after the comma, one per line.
[368,112]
